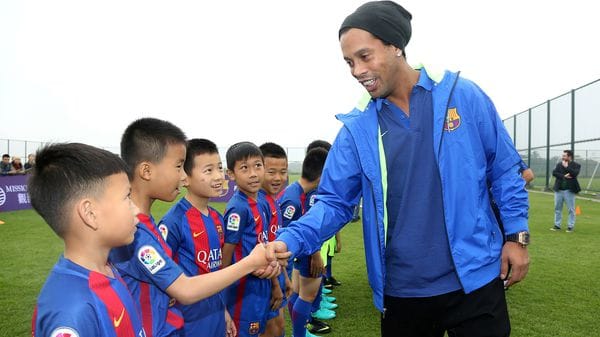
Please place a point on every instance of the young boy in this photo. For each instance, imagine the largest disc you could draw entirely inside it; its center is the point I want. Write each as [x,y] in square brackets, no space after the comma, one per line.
[333,245]
[275,179]
[194,231]
[82,192]
[154,151]
[306,277]
[248,218]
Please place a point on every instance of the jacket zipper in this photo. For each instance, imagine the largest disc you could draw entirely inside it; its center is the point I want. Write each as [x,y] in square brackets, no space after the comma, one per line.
[380,250]
[442,185]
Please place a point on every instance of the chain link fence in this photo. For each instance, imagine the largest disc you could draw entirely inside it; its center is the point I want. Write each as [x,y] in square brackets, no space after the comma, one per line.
[567,122]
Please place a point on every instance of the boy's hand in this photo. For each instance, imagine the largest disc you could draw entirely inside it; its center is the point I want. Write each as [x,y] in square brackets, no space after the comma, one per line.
[230,330]
[317,267]
[276,296]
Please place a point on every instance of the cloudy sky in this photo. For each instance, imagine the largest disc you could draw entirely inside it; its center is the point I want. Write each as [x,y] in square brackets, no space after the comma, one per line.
[260,70]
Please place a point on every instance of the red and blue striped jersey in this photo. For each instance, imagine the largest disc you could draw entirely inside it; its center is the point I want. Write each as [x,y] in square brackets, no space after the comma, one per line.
[276,223]
[77,302]
[248,300]
[196,240]
[276,218]
[246,219]
[148,268]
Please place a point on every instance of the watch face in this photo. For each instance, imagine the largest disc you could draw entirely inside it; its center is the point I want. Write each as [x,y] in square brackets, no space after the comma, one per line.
[524,238]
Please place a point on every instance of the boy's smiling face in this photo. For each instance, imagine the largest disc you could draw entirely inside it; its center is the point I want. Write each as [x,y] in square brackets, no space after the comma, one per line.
[248,175]
[276,175]
[206,179]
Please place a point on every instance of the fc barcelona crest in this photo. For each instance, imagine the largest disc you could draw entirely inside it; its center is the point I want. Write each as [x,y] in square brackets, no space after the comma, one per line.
[254,328]
[220,231]
[452,120]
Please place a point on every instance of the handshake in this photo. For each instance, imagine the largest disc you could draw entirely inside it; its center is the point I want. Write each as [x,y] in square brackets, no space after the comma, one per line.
[268,259]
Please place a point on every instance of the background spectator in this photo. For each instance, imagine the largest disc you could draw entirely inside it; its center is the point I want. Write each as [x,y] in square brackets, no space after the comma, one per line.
[6,166]
[30,162]
[17,166]
[565,188]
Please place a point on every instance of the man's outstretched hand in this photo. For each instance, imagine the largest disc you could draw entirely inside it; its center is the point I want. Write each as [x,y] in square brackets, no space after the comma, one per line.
[277,251]
[276,257]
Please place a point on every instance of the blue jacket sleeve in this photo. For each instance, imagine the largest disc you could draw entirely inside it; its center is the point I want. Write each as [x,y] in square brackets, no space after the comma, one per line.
[503,163]
[338,192]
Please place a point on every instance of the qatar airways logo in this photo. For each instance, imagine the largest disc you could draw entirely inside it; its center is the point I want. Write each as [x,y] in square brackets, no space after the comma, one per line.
[263,237]
[211,258]
[273,228]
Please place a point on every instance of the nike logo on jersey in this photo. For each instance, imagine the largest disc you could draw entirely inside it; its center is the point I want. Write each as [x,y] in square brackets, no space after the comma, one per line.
[256,218]
[384,132]
[117,322]
[197,234]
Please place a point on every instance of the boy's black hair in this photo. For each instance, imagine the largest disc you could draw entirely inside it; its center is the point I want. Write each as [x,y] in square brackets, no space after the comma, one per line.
[313,163]
[65,172]
[5,156]
[241,151]
[318,143]
[147,139]
[273,150]
[569,153]
[196,147]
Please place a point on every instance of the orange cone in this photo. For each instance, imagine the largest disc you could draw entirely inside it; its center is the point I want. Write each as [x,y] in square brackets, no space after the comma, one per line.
[577,210]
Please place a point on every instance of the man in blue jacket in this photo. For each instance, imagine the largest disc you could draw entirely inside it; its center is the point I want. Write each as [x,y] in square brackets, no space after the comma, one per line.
[422,154]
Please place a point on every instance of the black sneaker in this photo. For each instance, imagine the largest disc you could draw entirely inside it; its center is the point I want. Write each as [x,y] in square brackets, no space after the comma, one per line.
[570,230]
[333,281]
[555,228]
[316,326]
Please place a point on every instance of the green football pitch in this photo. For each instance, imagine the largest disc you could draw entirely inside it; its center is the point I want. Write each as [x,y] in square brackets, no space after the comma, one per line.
[559,297]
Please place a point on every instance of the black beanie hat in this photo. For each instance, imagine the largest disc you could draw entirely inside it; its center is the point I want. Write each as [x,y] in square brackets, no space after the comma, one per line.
[387,20]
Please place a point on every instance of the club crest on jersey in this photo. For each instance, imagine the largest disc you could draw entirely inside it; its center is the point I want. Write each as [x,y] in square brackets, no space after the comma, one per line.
[289,212]
[164,231]
[452,120]
[220,231]
[254,328]
[233,222]
[150,258]
[64,332]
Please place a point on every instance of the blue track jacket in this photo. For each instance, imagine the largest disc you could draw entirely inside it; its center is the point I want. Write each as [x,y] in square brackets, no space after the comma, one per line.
[473,151]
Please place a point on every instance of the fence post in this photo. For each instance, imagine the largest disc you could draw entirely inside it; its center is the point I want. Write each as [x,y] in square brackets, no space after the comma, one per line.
[529,141]
[573,121]
[515,130]
[548,145]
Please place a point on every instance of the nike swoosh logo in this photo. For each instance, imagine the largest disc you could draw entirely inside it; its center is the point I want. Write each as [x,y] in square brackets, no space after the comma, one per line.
[383,134]
[117,322]
[256,218]
[274,213]
[197,234]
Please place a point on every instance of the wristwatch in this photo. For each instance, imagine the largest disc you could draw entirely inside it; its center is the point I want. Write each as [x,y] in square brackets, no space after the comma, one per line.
[519,237]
